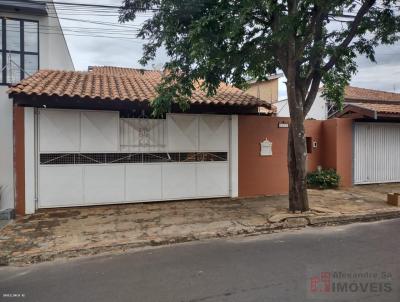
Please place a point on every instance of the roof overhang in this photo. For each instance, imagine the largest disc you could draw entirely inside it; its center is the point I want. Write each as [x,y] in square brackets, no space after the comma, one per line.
[358,112]
[124,105]
[21,6]
[354,111]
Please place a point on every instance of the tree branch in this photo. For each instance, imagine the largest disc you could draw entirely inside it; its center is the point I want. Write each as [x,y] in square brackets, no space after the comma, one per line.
[315,60]
[312,93]
[310,30]
[353,30]
[281,53]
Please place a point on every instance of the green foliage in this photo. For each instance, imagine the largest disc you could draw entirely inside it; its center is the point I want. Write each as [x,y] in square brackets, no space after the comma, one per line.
[336,79]
[233,40]
[323,179]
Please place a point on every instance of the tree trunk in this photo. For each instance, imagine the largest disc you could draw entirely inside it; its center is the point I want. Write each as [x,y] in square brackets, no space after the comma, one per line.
[297,154]
[297,150]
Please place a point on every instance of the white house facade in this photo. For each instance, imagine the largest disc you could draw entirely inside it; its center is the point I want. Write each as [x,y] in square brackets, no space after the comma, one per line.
[318,111]
[26,46]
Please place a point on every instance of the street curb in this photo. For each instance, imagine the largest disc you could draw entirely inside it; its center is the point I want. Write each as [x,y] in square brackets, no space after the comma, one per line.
[295,221]
[351,218]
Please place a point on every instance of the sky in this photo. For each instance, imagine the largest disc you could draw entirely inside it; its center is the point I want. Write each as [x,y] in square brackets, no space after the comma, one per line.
[97,38]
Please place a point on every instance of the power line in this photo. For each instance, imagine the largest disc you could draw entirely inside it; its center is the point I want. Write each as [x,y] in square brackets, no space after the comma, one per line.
[68,3]
[104,29]
[78,4]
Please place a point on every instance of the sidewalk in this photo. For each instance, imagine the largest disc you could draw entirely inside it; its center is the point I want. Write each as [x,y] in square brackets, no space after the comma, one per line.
[65,233]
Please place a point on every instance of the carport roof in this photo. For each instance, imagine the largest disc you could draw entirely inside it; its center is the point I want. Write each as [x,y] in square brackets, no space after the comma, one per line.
[370,110]
[107,84]
[368,103]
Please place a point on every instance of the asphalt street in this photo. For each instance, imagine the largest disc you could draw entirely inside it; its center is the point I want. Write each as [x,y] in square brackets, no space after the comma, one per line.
[359,262]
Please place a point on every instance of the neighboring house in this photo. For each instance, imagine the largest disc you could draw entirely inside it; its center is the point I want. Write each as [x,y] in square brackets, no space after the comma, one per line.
[375,117]
[318,111]
[376,134]
[31,39]
[362,102]
[267,90]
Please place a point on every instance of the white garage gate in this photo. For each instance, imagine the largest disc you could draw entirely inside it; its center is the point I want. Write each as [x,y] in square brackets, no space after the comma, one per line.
[376,153]
[95,157]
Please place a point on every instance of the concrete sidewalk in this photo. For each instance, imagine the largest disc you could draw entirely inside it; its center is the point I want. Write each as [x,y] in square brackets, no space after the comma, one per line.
[64,233]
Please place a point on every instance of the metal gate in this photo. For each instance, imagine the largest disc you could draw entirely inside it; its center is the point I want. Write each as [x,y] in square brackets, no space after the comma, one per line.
[376,153]
[96,157]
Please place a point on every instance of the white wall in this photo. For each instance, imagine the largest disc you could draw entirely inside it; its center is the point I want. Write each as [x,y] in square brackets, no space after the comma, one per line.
[53,54]
[53,49]
[318,111]
[6,151]
[234,156]
[282,108]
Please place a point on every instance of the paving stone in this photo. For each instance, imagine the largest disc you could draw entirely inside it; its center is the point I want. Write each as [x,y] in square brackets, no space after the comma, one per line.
[323,210]
[295,222]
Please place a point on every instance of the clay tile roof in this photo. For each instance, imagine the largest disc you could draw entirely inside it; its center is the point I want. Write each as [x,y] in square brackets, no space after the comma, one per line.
[356,94]
[380,108]
[113,70]
[123,84]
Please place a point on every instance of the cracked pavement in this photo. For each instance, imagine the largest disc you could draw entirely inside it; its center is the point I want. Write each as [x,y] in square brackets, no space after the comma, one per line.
[72,232]
[271,267]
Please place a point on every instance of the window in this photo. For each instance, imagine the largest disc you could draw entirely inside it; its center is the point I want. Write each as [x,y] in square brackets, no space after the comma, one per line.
[19,48]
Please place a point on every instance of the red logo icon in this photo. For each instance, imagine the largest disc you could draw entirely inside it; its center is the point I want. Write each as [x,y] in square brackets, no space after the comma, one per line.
[321,283]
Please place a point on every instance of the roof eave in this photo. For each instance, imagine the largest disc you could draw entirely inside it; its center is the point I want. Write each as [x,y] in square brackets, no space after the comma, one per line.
[68,102]
[351,110]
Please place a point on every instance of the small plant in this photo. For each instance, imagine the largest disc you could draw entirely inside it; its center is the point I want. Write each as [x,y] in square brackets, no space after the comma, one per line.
[323,179]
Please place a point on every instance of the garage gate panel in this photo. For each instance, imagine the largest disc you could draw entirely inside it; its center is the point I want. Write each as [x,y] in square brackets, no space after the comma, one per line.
[79,185]
[376,153]
[84,158]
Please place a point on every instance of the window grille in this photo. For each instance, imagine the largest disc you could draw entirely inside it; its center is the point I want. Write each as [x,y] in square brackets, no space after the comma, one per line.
[125,158]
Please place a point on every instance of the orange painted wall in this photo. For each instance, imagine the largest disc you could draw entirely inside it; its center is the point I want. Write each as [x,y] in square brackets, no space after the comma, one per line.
[19,160]
[262,175]
[344,162]
[267,175]
[329,141]
[338,148]
[314,130]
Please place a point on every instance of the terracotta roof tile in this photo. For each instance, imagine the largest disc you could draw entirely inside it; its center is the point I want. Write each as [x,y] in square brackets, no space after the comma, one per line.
[380,108]
[116,83]
[356,94]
